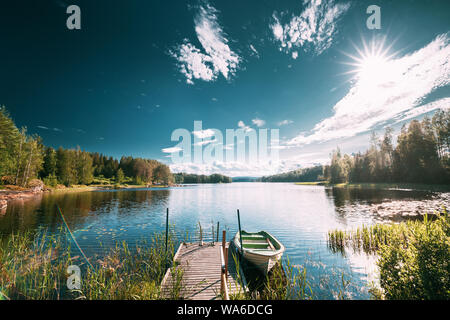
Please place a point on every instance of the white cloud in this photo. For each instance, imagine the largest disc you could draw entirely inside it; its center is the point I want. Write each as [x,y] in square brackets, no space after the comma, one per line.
[216,57]
[395,90]
[230,168]
[202,134]
[242,125]
[443,104]
[313,30]
[285,122]
[253,52]
[258,122]
[172,150]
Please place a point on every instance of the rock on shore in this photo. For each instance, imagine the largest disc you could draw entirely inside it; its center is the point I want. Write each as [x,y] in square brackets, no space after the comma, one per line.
[35,187]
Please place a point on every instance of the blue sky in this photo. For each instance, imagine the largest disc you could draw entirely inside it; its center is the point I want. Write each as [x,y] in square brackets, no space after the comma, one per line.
[137,70]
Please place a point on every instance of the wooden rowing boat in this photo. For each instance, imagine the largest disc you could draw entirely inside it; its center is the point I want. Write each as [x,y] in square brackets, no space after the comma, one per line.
[260,248]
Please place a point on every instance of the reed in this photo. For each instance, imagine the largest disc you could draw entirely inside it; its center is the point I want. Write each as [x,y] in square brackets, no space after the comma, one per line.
[370,239]
[413,256]
[35,267]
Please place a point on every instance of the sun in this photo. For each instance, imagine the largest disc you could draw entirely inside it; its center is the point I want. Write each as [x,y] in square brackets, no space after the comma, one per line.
[372,66]
[373,63]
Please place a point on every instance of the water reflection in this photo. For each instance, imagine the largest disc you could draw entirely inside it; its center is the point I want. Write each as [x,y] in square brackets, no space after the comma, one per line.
[300,216]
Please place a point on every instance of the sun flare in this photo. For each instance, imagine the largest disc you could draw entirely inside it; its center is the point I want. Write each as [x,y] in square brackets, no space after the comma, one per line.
[373,64]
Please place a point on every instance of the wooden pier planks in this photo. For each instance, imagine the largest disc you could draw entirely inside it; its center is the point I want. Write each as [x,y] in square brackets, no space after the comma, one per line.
[201,267]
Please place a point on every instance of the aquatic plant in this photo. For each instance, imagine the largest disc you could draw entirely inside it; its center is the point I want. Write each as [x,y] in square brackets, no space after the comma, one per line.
[413,256]
[35,267]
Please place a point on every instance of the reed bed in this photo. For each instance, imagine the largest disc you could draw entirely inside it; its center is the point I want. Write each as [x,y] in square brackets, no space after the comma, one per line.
[413,257]
[35,267]
[370,239]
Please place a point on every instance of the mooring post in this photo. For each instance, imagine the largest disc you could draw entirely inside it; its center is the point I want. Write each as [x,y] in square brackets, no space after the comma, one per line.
[201,234]
[226,263]
[217,238]
[167,236]
[224,235]
[167,229]
[240,232]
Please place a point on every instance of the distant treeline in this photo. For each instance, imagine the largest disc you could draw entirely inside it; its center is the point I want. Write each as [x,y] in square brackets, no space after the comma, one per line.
[299,175]
[421,155]
[195,178]
[24,157]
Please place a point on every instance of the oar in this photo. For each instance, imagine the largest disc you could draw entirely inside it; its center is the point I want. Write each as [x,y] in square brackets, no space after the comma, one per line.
[240,232]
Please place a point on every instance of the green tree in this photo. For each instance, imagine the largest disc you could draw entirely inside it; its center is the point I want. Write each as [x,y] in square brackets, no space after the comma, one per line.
[120,176]
[9,137]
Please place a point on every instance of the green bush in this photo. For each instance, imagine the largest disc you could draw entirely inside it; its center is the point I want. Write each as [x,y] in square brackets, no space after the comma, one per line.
[51,181]
[420,270]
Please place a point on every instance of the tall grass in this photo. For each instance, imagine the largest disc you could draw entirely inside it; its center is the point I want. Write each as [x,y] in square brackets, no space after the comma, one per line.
[413,256]
[35,267]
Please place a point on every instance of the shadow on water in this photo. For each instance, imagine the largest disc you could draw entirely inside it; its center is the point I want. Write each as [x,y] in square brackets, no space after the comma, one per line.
[78,208]
[345,196]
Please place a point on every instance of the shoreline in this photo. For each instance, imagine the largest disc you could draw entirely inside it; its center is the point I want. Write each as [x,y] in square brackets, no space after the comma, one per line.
[16,193]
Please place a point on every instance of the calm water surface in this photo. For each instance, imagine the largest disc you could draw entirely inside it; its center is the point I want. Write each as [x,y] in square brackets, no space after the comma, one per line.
[299,216]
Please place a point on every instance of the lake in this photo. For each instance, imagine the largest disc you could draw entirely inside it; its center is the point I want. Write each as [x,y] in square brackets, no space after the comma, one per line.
[299,216]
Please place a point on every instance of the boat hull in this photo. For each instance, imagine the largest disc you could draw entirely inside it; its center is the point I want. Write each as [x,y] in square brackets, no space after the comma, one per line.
[263,263]
[263,260]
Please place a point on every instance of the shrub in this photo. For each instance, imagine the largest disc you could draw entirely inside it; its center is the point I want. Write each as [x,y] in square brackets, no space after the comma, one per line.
[420,270]
[8,180]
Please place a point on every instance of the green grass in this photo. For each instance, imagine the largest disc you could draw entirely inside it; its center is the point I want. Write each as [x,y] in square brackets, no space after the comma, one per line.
[413,256]
[35,267]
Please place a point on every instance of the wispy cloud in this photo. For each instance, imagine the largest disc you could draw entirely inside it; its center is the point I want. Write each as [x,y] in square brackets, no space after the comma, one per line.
[205,142]
[202,134]
[242,125]
[216,57]
[253,51]
[258,122]
[172,150]
[397,90]
[47,128]
[313,30]
[285,122]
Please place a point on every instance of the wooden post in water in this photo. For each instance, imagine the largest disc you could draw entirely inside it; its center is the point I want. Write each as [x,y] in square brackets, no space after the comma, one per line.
[201,234]
[224,268]
[167,232]
[226,262]
[240,232]
[217,238]
[224,235]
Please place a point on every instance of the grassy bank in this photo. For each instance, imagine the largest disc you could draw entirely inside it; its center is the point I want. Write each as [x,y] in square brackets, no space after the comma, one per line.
[413,256]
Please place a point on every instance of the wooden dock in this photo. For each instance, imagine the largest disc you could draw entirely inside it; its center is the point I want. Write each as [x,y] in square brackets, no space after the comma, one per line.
[203,273]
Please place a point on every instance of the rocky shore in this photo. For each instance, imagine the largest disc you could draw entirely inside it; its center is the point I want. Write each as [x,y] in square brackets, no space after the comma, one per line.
[8,194]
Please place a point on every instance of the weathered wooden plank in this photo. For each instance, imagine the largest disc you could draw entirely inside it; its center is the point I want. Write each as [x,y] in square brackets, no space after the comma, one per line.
[201,267]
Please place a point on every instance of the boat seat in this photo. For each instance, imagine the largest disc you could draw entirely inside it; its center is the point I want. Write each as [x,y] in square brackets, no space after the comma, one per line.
[256,245]
[254,238]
